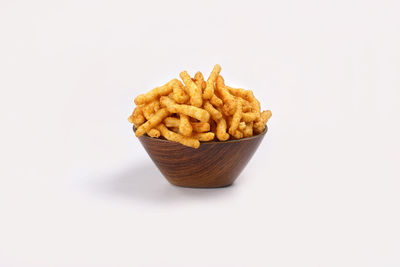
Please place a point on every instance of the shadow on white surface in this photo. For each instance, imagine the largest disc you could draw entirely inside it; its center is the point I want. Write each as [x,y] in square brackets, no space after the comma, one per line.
[144,182]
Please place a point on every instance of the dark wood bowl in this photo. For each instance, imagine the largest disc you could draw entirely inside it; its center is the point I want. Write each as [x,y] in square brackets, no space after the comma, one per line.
[213,164]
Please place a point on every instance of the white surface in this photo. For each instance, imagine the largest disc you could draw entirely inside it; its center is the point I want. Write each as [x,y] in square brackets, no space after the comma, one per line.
[77,189]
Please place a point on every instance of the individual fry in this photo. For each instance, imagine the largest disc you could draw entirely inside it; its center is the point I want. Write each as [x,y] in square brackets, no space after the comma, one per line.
[198,111]
[171,122]
[221,133]
[248,131]
[199,80]
[137,117]
[185,127]
[249,116]
[154,133]
[152,122]
[209,91]
[228,99]
[215,114]
[200,127]
[204,137]
[236,118]
[195,92]
[216,101]
[179,95]
[154,94]
[184,140]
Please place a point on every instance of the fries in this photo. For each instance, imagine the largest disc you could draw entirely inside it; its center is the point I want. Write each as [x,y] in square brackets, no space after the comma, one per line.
[198,111]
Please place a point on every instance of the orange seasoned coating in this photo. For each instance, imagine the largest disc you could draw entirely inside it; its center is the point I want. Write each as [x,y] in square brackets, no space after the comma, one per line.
[198,111]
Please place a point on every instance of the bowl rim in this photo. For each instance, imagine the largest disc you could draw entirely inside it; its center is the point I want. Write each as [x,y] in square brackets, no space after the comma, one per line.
[210,142]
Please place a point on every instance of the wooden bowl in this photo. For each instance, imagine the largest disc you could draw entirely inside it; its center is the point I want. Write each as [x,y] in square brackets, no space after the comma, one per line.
[213,164]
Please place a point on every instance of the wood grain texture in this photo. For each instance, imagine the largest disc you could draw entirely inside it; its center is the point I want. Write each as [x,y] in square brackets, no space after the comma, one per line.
[213,164]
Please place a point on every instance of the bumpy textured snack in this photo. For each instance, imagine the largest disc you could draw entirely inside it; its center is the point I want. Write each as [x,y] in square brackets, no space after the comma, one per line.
[184,126]
[153,94]
[198,111]
[172,136]
[209,91]
[195,92]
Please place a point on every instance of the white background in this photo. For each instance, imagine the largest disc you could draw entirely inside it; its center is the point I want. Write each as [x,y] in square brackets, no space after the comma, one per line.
[77,188]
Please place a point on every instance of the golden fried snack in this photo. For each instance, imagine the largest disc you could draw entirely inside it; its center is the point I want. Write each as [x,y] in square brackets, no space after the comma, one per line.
[204,137]
[185,127]
[195,92]
[236,119]
[221,133]
[137,117]
[237,134]
[179,95]
[172,122]
[194,112]
[209,91]
[216,101]
[199,80]
[242,126]
[248,131]
[249,116]
[154,133]
[259,125]
[154,94]
[200,127]
[152,122]
[184,140]
[228,99]
[215,114]
[198,110]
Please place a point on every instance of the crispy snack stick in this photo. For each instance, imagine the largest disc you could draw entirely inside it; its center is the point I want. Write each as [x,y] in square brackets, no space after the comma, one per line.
[201,127]
[221,133]
[152,122]
[237,134]
[137,117]
[215,114]
[172,122]
[209,91]
[150,108]
[195,93]
[169,135]
[178,94]
[248,131]
[185,127]
[216,101]
[236,118]
[194,112]
[228,99]
[242,126]
[249,116]
[259,125]
[204,137]
[154,133]
[199,80]
[154,94]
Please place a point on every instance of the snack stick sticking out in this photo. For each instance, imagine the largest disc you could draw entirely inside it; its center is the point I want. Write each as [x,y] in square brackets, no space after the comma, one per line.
[178,94]
[227,98]
[154,133]
[194,112]
[195,93]
[154,94]
[185,128]
[184,140]
[204,137]
[137,117]
[199,80]
[200,127]
[216,101]
[209,91]
[215,114]
[248,131]
[152,122]
[236,119]
[222,135]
